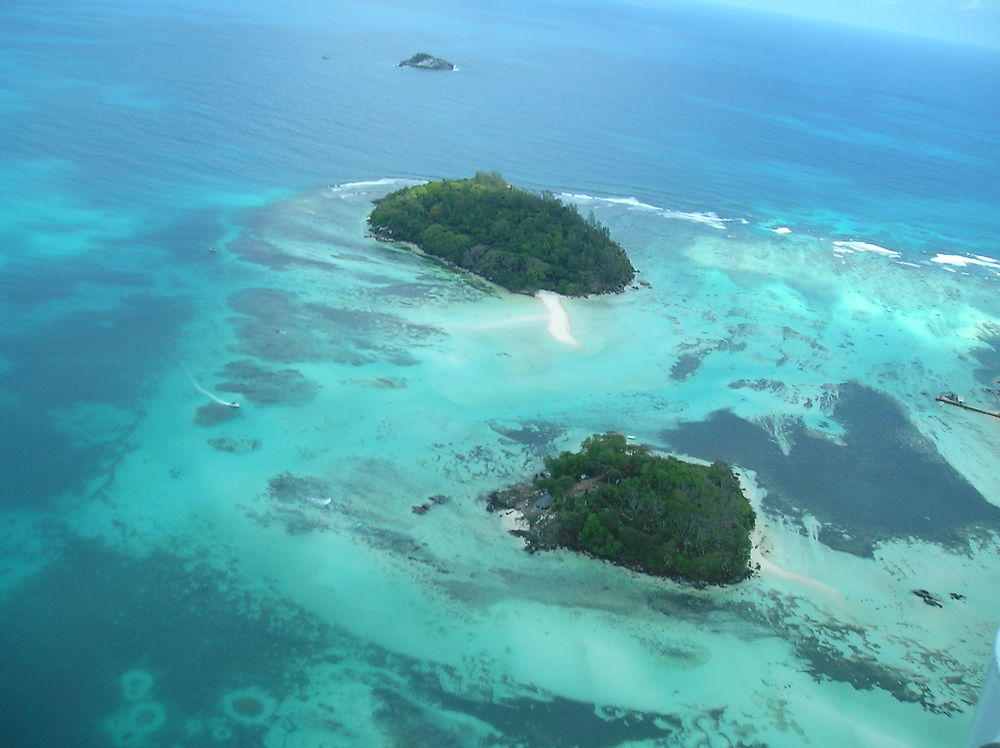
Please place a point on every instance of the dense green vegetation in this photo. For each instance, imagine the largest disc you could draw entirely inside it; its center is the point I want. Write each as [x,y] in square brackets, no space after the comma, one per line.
[519,240]
[655,514]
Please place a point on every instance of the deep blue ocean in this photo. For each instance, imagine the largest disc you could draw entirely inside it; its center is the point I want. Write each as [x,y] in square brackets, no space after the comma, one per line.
[135,135]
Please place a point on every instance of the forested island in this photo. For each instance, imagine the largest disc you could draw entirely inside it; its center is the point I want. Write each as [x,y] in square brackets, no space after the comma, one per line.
[658,515]
[514,238]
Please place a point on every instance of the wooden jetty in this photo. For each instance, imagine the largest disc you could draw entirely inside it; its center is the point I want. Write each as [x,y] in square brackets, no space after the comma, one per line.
[950,399]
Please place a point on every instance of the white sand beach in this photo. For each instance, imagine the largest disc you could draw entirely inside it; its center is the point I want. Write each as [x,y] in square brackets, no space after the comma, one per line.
[558,326]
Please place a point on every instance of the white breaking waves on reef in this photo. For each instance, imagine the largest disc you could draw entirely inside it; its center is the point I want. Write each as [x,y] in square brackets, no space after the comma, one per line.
[843,247]
[708,218]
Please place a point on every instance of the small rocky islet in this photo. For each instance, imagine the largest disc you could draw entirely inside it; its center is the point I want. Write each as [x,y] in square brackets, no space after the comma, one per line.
[425,61]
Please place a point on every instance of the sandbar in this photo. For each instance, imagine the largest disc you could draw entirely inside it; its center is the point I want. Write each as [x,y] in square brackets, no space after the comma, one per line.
[558,326]
[763,543]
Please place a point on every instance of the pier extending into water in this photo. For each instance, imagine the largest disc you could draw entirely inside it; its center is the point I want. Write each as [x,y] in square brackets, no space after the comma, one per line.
[952,400]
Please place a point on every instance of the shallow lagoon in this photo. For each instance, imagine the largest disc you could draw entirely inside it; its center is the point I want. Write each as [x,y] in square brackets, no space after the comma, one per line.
[815,211]
[376,379]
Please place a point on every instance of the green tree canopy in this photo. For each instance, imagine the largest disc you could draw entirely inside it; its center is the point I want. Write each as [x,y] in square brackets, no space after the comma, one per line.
[519,240]
[659,515]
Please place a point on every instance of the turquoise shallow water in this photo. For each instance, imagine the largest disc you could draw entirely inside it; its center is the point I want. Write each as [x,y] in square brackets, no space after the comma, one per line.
[177,572]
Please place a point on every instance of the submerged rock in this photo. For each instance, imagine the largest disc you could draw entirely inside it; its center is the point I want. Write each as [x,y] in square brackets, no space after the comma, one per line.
[426,62]
[430,503]
[212,414]
[236,445]
[928,598]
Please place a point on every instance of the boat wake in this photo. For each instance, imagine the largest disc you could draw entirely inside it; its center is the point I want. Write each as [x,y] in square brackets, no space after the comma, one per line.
[206,393]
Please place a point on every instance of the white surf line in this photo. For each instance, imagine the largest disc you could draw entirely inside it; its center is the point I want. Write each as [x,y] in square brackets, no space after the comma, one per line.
[708,217]
[206,393]
[966,260]
[855,246]
[558,326]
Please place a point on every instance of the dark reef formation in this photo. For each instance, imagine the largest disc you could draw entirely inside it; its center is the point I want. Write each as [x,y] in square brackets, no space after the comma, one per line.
[880,480]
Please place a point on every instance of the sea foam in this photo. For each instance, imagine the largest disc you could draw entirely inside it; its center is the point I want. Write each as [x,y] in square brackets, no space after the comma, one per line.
[352,189]
[855,246]
[707,218]
[966,260]
[374,183]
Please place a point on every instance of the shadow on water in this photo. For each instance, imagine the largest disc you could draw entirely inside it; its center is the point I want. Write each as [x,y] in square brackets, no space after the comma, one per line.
[884,481]
[86,357]
[40,461]
[93,615]
[27,285]
[558,723]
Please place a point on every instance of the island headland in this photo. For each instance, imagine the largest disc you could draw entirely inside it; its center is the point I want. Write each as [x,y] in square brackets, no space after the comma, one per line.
[425,61]
[620,502]
[517,239]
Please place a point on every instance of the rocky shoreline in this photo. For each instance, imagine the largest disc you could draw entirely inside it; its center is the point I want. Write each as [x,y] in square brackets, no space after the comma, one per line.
[530,505]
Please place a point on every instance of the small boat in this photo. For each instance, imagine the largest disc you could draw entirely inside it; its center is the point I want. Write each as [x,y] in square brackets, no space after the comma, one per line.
[233,404]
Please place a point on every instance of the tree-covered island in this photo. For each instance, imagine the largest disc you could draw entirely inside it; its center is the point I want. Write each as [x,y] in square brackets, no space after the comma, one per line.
[516,239]
[658,515]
